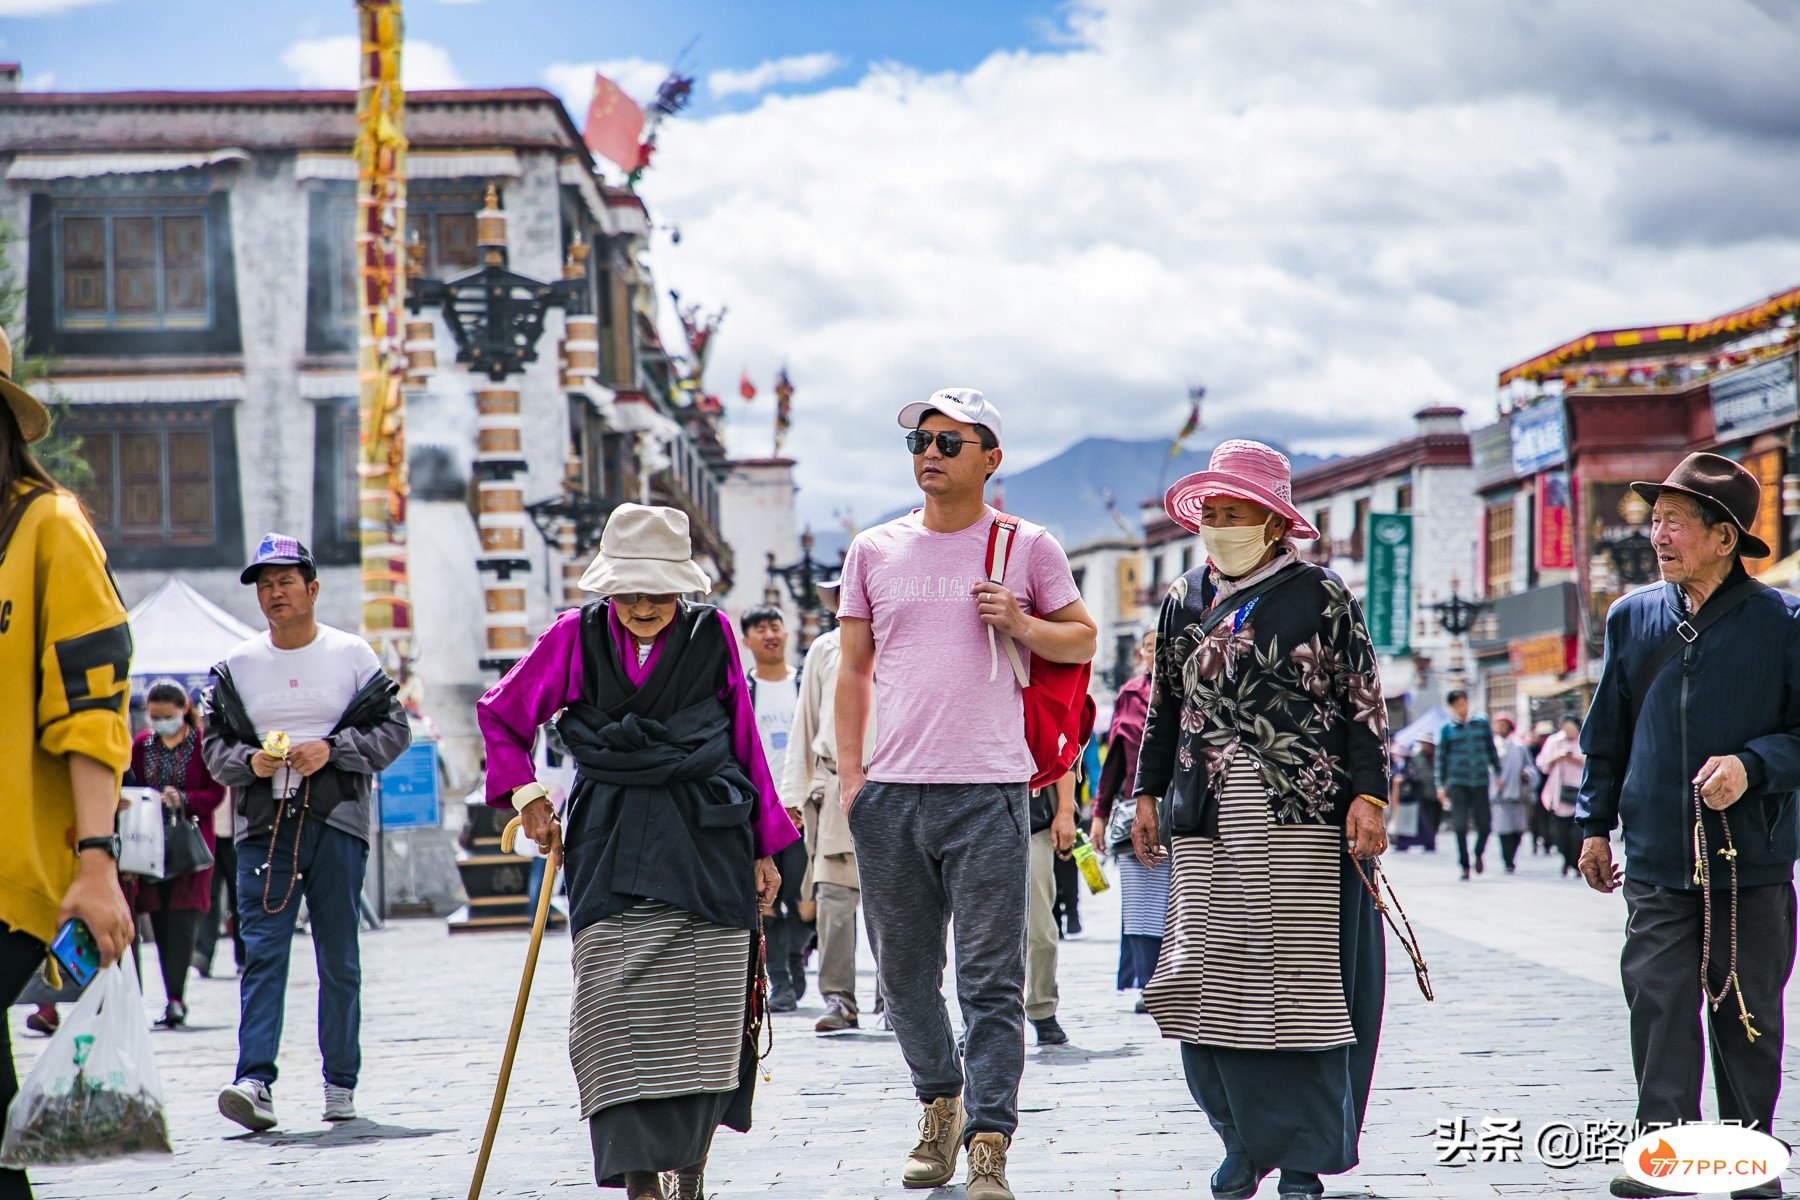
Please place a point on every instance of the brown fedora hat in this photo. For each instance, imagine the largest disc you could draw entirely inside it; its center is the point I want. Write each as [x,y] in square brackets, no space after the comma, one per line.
[1724,485]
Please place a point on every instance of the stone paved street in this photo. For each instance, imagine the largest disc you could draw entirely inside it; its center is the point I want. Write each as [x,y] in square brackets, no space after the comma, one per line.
[1528,1025]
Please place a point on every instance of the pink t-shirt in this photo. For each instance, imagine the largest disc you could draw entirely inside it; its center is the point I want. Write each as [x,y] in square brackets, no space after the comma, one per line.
[942,719]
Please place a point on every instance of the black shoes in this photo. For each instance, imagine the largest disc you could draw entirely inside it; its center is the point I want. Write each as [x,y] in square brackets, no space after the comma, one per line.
[174,1016]
[1298,1184]
[1049,1033]
[1762,1191]
[1236,1179]
[782,999]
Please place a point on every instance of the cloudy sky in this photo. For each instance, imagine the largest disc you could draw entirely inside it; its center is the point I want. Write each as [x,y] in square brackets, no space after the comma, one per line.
[1331,212]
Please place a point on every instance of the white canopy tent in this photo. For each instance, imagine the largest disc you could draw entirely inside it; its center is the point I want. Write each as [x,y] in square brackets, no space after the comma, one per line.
[179,634]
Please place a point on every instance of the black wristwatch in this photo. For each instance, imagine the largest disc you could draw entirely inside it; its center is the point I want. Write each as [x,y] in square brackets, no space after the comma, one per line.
[110,844]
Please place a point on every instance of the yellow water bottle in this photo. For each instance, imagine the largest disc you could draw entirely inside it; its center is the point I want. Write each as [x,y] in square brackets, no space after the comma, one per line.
[1089,862]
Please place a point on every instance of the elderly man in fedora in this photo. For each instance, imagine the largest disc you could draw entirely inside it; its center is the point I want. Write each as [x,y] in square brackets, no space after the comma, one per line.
[1693,744]
[673,823]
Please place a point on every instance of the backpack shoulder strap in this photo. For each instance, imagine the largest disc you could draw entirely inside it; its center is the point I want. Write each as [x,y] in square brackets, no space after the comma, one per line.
[999,552]
[1234,603]
[1685,633]
[15,514]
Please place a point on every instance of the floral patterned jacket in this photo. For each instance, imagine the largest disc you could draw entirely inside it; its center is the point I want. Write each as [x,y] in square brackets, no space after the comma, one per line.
[1289,682]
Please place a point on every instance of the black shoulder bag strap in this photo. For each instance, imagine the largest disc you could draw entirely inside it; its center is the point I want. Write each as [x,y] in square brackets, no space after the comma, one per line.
[16,513]
[1234,603]
[1685,634]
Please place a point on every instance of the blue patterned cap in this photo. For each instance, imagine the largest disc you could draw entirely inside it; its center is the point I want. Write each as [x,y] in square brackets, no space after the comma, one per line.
[279,549]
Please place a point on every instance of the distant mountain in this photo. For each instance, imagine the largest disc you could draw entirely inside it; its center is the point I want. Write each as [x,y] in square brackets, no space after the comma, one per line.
[1067,493]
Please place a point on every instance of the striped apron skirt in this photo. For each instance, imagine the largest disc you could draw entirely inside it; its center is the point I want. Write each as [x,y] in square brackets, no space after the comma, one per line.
[1143,911]
[656,1037]
[1272,976]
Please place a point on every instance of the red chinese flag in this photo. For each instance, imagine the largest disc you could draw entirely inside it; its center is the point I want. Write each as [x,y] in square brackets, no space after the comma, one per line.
[614,125]
[746,389]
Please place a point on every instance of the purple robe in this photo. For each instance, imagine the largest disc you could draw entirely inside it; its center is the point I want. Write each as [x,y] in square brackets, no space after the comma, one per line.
[550,678]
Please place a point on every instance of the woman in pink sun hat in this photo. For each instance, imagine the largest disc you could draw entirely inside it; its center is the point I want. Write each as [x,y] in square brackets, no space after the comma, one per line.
[1265,747]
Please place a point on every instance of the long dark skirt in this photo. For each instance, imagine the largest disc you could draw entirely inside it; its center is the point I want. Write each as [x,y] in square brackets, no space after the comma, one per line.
[668,1134]
[1303,1109]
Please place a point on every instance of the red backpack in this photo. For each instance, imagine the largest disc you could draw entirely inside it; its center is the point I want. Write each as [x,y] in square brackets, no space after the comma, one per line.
[1059,713]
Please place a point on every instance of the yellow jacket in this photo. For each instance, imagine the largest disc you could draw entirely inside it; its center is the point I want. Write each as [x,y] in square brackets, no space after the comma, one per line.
[65,652]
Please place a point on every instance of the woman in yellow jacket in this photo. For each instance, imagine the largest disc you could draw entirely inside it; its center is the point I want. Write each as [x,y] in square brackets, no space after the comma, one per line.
[64,648]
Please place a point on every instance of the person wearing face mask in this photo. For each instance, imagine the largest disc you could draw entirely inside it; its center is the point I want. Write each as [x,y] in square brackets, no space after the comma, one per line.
[167,758]
[1266,736]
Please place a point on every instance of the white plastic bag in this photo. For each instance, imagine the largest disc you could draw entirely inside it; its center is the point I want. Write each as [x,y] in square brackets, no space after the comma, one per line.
[95,1093]
[141,833]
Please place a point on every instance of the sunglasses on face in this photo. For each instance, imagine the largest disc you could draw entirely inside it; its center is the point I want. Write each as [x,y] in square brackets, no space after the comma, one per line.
[633,599]
[949,443]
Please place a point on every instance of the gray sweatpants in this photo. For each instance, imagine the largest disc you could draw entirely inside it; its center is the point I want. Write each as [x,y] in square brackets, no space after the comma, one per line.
[927,853]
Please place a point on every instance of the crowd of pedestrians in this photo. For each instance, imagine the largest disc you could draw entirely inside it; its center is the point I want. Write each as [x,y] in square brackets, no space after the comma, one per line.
[725,821]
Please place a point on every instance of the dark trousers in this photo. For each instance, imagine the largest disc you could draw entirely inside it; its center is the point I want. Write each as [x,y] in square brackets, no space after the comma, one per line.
[928,852]
[1565,839]
[20,955]
[175,933]
[787,934]
[1509,848]
[1660,967]
[1067,909]
[224,908]
[1431,814]
[1470,807]
[332,863]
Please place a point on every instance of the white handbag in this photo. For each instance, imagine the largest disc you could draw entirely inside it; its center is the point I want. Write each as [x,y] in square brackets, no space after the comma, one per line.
[141,833]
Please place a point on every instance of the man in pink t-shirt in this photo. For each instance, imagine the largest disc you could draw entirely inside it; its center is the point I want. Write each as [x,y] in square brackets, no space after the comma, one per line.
[940,822]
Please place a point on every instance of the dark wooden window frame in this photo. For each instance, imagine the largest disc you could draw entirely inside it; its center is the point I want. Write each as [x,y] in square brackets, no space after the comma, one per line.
[100,426]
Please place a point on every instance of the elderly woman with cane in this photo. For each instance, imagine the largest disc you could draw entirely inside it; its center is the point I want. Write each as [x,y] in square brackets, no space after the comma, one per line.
[1266,735]
[667,843]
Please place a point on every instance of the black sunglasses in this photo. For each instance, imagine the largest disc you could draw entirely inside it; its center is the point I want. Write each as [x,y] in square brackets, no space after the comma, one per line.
[949,444]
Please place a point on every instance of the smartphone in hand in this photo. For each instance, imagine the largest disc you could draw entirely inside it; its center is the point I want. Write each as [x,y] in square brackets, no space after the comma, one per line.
[76,952]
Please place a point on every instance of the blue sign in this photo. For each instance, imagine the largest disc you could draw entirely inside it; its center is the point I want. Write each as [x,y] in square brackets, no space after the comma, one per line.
[1539,441]
[409,789]
[1755,398]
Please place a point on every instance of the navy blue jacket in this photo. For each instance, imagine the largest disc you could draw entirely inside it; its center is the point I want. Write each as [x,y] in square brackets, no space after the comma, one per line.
[1734,690]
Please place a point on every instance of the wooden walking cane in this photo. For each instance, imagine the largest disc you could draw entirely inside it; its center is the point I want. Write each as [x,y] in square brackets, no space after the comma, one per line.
[518,1022]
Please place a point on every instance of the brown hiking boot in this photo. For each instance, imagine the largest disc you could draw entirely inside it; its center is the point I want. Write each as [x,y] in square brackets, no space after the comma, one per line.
[987,1168]
[932,1162]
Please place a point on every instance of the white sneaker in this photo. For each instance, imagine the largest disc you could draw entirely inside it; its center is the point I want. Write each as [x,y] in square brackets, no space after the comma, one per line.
[249,1103]
[340,1103]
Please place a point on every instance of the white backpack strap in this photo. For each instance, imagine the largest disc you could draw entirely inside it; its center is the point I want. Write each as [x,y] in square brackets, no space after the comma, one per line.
[1002,550]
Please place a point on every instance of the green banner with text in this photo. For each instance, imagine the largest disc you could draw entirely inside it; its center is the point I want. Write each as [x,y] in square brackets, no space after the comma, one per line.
[1390,582]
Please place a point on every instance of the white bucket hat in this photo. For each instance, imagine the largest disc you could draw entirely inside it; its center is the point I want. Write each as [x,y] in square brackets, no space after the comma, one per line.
[646,549]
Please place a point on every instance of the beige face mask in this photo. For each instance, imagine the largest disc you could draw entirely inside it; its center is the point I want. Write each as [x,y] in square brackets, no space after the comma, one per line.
[1235,549]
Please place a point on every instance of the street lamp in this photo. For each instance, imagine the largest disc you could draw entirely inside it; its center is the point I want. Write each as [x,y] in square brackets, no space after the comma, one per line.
[1456,617]
[496,317]
[802,579]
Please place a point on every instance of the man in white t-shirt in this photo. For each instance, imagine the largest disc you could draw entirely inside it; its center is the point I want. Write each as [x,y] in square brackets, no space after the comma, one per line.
[775,693]
[299,721]
[940,823]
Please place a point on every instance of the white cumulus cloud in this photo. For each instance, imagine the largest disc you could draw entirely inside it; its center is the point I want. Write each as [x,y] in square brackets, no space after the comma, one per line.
[798,68]
[43,8]
[1329,214]
[331,62]
[574,82]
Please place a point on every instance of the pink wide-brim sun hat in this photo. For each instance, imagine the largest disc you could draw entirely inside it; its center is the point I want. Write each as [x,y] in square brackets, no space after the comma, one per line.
[1245,469]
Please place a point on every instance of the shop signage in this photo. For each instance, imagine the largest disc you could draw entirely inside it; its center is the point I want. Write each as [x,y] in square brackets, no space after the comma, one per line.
[1390,582]
[1755,398]
[1539,440]
[1545,655]
[1555,522]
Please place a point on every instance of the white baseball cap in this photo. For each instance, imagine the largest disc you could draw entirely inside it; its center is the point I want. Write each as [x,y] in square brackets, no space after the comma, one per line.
[959,404]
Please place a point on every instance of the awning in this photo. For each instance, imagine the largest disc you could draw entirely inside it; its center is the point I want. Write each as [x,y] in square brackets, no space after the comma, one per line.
[420,164]
[152,389]
[177,632]
[84,166]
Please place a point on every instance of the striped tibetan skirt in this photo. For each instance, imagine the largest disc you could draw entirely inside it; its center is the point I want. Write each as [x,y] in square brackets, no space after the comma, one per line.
[1250,951]
[656,1037]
